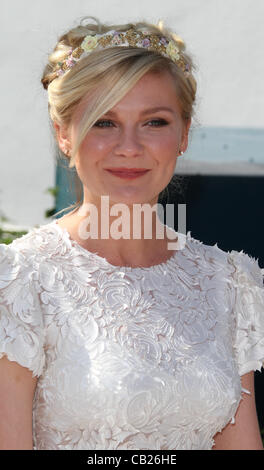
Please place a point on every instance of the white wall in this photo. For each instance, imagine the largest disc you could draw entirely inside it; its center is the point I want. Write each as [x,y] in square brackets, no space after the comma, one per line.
[225,38]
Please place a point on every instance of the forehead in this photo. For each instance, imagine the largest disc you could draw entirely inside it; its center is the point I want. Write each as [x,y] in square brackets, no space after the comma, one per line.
[153,90]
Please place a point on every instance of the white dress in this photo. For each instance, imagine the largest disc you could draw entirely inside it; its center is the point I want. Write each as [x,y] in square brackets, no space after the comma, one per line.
[130,358]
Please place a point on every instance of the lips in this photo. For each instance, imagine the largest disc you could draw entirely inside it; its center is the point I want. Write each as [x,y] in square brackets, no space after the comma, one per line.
[128,173]
[128,170]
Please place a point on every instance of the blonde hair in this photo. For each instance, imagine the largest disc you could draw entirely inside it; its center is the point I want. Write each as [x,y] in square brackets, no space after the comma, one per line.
[107,75]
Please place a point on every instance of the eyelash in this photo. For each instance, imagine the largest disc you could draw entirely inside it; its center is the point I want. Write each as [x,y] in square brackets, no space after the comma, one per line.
[105,123]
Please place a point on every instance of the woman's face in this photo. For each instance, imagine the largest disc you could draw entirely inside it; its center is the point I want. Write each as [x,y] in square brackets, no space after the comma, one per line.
[144,130]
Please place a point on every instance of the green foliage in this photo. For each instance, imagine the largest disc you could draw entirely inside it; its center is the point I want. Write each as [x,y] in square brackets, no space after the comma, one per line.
[54,192]
[7,236]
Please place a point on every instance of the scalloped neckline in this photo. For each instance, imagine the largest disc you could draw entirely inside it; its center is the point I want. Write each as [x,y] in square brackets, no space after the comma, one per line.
[76,246]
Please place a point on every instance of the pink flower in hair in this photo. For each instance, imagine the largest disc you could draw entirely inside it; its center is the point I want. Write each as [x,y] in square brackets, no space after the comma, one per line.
[146,42]
[164,41]
[70,62]
[117,40]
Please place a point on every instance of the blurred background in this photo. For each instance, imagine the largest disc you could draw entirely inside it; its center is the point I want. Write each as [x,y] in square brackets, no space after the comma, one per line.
[220,178]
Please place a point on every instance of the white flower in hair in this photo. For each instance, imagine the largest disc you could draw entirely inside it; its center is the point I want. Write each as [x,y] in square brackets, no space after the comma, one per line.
[173,51]
[89,43]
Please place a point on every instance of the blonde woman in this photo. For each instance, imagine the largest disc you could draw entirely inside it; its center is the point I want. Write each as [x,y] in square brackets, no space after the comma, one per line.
[114,342]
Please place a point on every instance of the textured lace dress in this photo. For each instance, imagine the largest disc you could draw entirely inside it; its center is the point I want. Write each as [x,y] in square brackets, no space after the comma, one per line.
[130,358]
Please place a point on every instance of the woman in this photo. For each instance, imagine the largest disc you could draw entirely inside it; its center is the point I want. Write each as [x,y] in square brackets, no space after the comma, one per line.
[112,342]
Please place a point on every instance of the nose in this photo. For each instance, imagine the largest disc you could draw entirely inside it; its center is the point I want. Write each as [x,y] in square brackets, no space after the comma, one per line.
[129,144]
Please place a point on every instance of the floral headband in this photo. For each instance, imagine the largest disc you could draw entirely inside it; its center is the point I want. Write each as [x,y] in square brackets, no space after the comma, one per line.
[130,38]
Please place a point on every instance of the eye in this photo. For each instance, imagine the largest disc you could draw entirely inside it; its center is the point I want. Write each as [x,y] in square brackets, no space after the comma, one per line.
[104,123]
[157,123]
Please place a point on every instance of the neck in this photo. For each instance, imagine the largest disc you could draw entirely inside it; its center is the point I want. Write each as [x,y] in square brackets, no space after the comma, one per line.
[121,233]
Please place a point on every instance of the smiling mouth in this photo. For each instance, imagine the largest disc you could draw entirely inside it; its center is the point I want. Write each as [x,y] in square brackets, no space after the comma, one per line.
[128,173]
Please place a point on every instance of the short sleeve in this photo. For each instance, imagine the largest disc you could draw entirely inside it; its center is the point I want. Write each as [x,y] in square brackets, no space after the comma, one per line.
[248,312]
[21,323]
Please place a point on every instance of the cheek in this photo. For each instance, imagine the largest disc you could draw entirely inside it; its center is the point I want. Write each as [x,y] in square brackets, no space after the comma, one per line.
[166,147]
[93,149]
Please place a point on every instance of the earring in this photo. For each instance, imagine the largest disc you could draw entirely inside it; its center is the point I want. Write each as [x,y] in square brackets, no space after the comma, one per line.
[181,152]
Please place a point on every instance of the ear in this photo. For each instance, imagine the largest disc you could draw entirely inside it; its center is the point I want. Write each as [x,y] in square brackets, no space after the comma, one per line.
[185,135]
[63,138]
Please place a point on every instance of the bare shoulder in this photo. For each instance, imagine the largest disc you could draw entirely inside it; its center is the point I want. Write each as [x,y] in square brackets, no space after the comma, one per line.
[68,222]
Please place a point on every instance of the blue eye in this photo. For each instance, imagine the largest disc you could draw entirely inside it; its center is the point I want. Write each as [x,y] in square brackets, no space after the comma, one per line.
[157,122]
[103,123]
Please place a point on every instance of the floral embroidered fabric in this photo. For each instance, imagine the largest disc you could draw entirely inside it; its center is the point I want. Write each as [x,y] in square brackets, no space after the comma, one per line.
[130,358]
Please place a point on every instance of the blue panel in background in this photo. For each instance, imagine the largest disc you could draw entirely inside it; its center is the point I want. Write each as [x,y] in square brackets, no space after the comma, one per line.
[65,182]
[223,144]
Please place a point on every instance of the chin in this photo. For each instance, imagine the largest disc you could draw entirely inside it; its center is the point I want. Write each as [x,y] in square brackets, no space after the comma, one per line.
[130,197]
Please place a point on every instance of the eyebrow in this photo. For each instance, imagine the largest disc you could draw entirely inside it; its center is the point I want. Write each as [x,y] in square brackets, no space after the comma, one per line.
[147,111]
